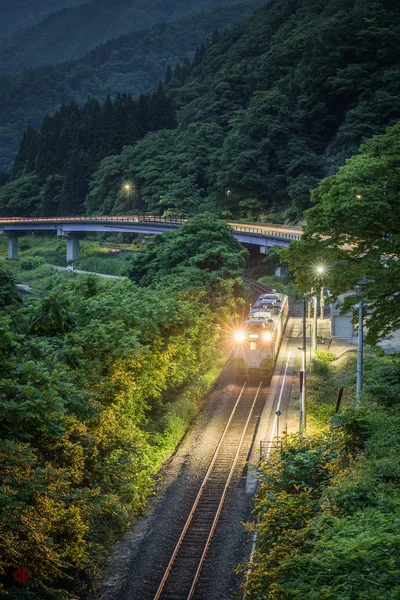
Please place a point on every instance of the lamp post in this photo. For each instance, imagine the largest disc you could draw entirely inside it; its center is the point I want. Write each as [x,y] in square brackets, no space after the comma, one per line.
[127,187]
[321,271]
[322,303]
[360,353]
[303,349]
[303,416]
[315,324]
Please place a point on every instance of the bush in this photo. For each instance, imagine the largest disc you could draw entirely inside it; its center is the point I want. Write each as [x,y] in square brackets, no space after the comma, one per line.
[32,262]
[328,504]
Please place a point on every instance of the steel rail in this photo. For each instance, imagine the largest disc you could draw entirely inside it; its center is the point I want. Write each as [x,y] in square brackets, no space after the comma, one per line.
[222,501]
[258,287]
[202,487]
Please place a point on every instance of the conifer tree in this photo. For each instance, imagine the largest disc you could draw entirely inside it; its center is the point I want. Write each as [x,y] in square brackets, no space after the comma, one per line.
[168,75]
[143,114]
[25,159]
[162,113]
[75,185]
[132,130]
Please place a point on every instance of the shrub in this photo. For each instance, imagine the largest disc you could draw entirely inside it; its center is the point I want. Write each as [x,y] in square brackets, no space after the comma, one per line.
[32,262]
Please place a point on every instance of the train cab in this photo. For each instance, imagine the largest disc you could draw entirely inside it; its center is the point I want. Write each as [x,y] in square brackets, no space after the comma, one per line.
[257,342]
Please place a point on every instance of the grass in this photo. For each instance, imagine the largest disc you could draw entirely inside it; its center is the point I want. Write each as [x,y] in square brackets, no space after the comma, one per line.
[183,410]
[96,255]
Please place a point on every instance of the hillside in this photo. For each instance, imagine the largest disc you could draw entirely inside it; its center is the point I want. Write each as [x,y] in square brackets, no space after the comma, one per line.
[275,106]
[131,63]
[18,14]
[72,32]
[266,112]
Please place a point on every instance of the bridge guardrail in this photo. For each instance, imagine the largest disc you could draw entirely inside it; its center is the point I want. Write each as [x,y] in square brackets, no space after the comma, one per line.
[271,231]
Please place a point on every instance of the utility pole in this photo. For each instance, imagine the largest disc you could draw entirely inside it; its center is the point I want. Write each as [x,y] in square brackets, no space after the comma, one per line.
[303,392]
[302,424]
[315,316]
[322,303]
[360,352]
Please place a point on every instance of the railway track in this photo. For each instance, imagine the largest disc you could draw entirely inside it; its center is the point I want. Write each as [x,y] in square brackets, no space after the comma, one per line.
[182,576]
[257,287]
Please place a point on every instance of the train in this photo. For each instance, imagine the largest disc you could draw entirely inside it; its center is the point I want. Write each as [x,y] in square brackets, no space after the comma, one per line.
[257,343]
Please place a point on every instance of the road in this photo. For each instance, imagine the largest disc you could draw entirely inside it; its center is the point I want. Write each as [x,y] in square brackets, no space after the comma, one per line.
[84,272]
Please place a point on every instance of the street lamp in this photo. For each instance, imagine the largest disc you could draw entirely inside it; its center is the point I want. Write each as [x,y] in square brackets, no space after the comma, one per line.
[303,415]
[128,189]
[360,353]
[321,271]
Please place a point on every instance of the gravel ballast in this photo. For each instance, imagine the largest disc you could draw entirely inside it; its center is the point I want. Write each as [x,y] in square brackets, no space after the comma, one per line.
[137,562]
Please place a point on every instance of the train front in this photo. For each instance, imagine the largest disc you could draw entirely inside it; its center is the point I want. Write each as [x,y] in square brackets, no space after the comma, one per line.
[253,354]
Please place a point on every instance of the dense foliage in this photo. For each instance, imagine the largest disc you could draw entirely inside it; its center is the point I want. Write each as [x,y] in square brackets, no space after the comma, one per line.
[90,376]
[328,504]
[354,228]
[277,104]
[202,249]
[131,63]
[53,167]
[285,98]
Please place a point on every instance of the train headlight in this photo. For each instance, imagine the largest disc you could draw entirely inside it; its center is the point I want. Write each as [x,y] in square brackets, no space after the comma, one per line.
[267,336]
[240,336]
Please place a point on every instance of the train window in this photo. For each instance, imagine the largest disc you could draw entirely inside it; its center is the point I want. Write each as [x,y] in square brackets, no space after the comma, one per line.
[253,345]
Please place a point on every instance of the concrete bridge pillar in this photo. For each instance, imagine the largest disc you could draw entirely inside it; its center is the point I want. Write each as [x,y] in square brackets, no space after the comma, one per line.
[73,243]
[13,244]
[73,248]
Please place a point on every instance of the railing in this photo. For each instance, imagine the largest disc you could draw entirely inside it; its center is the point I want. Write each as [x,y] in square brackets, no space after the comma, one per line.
[287,233]
[261,231]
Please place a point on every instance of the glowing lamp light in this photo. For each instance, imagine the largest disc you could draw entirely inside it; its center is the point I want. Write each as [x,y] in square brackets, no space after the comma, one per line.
[267,336]
[240,336]
[127,187]
[320,270]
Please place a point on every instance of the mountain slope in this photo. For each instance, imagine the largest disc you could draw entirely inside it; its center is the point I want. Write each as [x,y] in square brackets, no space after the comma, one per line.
[264,113]
[71,33]
[282,100]
[18,14]
[132,64]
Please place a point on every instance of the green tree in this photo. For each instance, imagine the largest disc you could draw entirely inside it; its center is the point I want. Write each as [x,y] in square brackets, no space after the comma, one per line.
[354,228]
[9,296]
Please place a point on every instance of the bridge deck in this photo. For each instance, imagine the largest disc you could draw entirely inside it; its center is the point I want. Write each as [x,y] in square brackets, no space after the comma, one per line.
[136,223]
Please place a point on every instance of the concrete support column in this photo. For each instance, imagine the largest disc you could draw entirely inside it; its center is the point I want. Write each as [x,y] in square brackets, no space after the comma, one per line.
[13,245]
[73,248]
[12,248]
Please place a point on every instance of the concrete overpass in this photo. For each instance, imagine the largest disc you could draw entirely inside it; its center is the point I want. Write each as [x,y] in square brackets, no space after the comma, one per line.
[75,228]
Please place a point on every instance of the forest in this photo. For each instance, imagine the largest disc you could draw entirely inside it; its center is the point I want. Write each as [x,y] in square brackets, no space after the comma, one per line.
[269,110]
[131,63]
[69,146]
[99,381]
